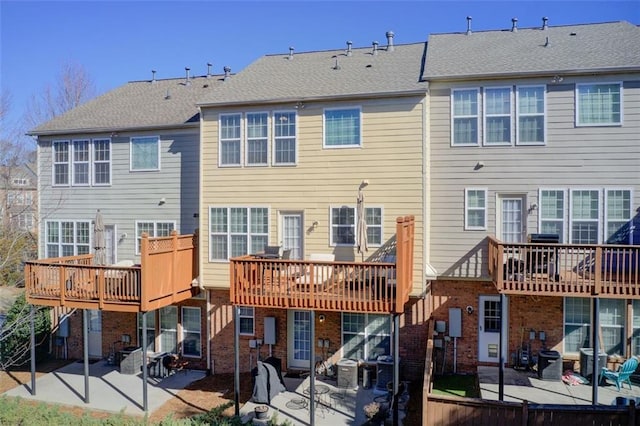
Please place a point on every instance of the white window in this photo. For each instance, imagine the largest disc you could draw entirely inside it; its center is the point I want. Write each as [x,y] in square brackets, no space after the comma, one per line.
[153,229]
[257,139]
[236,231]
[247,320]
[577,324]
[230,139]
[635,340]
[373,218]
[169,329]
[284,138]
[191,332]
[342,128]
[151,330]
[464,117]
[20,181]
[599,104]
[617,213]
[365,336]
[61,162]
[81,162]
[145,153]
[552,208]
[25,221]
[475,206]
[585,214]
[343,226]
[101,161]
[531,115]
[612,319]
[67,238]
[497,116]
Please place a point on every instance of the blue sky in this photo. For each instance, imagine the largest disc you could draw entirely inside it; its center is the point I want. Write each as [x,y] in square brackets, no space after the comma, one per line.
[123,41]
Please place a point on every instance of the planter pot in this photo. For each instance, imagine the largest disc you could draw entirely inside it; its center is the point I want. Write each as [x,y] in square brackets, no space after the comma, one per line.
[261,411]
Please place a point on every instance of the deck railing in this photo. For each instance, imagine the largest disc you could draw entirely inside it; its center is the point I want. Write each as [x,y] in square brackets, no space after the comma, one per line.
[565,269]
[332,286]
[168,267]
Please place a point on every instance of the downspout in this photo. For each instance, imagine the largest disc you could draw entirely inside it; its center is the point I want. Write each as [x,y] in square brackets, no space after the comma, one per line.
[211,367]
[596,350]
[236,345]
[426,185]
[85,336]
[32,330]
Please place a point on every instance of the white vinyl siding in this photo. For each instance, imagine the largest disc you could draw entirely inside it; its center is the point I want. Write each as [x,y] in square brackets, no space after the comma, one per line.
[67,238]
[230,139]
[343,226]
[475,207]
[236,231]
[465,117]
[342,127]
[284,138]
[191,332]
[552,209]
[257,144]
[153,229]
[531,112]
[144,153]
[599,104]
[497,116]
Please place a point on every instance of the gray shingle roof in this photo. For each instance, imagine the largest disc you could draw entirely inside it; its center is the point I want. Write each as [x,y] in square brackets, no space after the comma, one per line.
[606,46]
[314,75]
[135,105]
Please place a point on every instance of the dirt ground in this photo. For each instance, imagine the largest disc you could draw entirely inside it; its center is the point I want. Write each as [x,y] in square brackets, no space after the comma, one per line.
[198,397]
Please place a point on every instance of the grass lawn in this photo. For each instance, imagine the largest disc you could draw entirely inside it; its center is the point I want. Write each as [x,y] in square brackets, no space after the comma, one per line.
[456,385]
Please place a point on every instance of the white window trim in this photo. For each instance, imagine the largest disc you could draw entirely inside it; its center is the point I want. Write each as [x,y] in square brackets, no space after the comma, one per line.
[273,132]
[600,231]
[605,205]
[184,331]
[54,163]
[467,227]
[565,199]
[485,116]
[577,104]
[245,141]
[155,229]
[324,128]
[240,164]
[161,329]
[364,333]
[544,115]
[131,169]
[228,233]
[60,243]
[72,169]
[253,320]
[369,243]
[564,323]
[94,161]
[355,225]
[477,116]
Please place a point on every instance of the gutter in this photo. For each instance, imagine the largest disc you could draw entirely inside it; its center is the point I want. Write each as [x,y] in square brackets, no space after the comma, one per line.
[113,129]
[540,74]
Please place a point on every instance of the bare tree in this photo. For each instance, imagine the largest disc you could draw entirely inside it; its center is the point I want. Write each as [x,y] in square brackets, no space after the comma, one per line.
[73,86]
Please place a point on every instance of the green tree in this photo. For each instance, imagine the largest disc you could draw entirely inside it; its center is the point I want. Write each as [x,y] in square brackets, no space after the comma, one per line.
[15,334]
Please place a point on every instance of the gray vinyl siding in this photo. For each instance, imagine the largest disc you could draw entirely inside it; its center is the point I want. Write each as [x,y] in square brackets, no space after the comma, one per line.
[572,158]
[131,196]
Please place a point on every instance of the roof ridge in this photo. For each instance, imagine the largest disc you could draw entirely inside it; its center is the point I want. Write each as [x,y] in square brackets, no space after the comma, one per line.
[539,28]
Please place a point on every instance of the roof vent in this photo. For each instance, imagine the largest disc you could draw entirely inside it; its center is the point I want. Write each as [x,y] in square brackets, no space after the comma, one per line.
[168,95]
[390,46]
[337,65]
[514,25]
[349,48]
[227,73]
[469,18]
[545,23]
[547,43]
[209,65]
[375,48]
[187,81]
[291,49]
[153,76]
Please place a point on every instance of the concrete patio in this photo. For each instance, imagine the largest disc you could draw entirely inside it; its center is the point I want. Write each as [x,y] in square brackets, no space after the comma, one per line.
[520,385]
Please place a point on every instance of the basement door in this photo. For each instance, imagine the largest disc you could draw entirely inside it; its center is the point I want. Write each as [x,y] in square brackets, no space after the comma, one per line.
[298,336]
[489,329]
[95,334]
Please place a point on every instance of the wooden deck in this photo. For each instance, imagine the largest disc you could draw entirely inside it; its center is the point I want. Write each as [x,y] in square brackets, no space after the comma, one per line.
[610,271]
[168,267]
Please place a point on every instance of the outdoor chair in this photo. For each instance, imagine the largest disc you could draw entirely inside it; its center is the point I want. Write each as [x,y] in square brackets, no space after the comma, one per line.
[623,375]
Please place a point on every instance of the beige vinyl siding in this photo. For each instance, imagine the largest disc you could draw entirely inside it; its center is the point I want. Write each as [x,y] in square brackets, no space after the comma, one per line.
[573,157]
[132,196]
[390,157]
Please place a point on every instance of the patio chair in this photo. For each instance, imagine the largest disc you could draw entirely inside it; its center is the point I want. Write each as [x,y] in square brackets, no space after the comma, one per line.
[321,273]
[623,375]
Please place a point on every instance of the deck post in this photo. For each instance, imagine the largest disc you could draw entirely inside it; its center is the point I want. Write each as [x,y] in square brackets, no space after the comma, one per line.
[145,396]
[501,348]
[236,345]
[32,329]
[85,337]
[396,366]
[596,351]
[312,366]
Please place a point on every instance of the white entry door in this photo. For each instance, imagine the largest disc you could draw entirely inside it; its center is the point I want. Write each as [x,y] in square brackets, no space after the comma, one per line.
[299,334]
[489,329]
[95,334]
[291,231]
[511,220]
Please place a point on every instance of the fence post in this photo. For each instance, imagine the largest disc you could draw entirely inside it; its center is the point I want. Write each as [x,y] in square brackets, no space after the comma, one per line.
[632,412]
[525,413]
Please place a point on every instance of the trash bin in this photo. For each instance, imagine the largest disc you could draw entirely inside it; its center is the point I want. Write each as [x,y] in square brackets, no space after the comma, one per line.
[549,365]
[586,362]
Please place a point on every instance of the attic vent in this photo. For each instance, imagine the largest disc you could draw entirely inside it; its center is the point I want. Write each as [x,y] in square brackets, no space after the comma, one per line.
[349,48]
[187,80]
[337,65]
[375,48]
[168,95]
[153,76]
[291,49]
[545,23]
[546,42]
[227,73]
[469,18]
[514,25]
[209,65]
[390,46]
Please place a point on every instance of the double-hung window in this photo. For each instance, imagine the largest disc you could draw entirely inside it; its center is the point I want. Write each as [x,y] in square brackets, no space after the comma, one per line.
[373,218]
[169,329]
[497,116]
[61,162]
[530,108]
[617,213]
[150,318]
[577,324]
[236,231]
[101,161]
[585,214]
[145,153]
[257,138]
[599,104]
[81,162]
[365,336]
[475,203]
[284,138]
[152,229]
[343,226]
[67,238]
[191,332]
[342,127]
[246,316]
[552,208]
[465,117]
[230,139]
